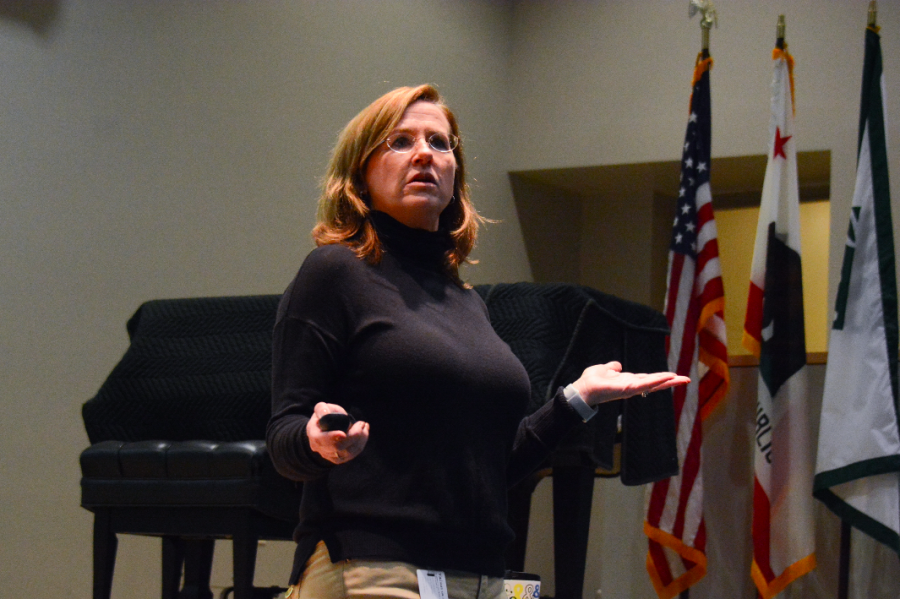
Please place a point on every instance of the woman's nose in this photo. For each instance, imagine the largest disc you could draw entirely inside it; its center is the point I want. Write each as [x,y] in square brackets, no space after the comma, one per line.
[422,151]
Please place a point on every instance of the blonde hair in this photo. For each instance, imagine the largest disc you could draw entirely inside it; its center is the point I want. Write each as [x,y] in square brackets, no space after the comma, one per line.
[344,207]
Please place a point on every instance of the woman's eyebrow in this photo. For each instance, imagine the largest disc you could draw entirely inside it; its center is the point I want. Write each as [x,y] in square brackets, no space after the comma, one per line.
[427,130]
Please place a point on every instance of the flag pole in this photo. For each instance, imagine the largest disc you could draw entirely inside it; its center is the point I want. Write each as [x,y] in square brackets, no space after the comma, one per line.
[779,33]
[704,37]
[707,20]
[846,529]
[780,29]
[844,561]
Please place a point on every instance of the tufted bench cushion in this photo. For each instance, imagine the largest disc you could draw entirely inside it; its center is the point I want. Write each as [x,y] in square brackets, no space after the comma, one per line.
[186,474]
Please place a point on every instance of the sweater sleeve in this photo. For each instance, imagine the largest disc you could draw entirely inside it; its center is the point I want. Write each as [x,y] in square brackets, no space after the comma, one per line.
[539,433]
[308,347]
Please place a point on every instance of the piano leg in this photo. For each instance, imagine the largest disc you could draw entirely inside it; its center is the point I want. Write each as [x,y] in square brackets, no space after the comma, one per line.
[573,493]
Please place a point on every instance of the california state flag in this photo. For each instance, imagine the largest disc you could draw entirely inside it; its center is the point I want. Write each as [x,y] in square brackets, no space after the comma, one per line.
[783,541]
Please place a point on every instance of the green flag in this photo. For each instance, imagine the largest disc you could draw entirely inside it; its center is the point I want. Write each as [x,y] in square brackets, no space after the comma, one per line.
[858,462]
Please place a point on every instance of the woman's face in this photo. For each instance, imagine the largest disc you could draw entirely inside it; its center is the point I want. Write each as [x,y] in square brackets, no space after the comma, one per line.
[413,187]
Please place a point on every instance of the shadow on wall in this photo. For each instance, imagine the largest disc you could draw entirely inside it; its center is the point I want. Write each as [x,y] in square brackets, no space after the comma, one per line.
[38,15]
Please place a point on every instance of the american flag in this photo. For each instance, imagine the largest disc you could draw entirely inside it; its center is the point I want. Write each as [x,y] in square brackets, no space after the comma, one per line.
[696,348]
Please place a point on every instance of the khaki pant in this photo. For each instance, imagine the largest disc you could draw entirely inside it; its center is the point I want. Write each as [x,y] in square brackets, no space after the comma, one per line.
[364,579]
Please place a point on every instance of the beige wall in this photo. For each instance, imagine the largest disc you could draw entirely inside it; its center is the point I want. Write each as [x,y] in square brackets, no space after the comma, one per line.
[598,83]
[737,233]
[172,148]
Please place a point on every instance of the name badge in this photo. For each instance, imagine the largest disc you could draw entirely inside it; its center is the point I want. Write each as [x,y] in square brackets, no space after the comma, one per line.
[432,584]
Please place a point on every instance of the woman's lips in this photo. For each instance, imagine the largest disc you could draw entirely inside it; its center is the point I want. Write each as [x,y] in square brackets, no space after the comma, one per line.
[423,178]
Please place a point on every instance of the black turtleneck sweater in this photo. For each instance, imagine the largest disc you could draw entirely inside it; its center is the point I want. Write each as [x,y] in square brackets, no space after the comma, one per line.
[405,348]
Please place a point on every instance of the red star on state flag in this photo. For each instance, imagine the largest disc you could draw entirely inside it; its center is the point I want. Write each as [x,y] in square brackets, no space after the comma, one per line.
[779,143]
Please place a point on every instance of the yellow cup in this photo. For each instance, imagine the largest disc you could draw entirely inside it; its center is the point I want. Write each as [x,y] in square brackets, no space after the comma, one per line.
[521,585]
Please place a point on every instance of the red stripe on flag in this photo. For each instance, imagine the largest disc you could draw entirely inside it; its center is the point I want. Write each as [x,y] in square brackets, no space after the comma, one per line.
[660,489]
[711,291]
[753,321]
[700,541]
[660,563]
[657,501]
[761,531]
[688,340]
[676,264]
[713,385]
[711,343]
[709,387]
[689,471]
[705,214]
[679,395]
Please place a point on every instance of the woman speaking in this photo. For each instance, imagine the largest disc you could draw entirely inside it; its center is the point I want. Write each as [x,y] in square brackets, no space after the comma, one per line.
[378,329]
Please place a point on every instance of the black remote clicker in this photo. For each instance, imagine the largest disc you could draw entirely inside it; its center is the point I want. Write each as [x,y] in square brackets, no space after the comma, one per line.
[336,422]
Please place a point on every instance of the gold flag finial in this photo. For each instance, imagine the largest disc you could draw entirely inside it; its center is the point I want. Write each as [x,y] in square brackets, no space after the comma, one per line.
[873,14]
[708,18]
[707,12]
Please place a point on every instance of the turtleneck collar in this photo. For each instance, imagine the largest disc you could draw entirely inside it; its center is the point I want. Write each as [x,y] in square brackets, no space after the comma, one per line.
[427,248]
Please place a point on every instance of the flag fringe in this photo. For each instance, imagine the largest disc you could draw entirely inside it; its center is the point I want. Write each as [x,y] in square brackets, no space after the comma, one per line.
[703,65]
[751,344]
[768,589]
[719,367]
[688,553]
[709,310]
[715,363]
[779,54]
[752,336]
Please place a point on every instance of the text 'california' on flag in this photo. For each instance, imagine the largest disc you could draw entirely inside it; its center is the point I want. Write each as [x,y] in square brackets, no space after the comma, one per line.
[783,534]
[858,464]
[676,558]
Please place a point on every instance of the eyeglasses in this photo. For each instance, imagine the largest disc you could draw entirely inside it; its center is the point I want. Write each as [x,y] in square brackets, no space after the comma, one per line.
[403,143]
